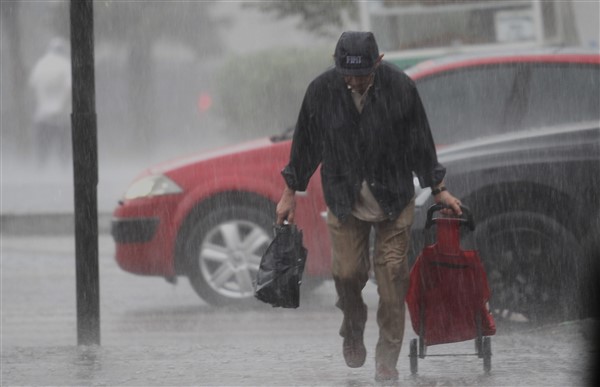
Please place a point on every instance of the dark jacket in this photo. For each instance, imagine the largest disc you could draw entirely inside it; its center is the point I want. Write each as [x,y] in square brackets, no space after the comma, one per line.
[383,145]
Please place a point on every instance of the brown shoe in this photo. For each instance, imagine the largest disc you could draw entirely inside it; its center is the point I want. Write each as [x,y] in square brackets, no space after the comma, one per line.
[355,352]
[385,374]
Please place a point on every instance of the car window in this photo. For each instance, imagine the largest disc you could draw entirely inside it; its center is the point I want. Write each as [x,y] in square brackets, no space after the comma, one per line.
[561,94]
[467,103]
[478,102]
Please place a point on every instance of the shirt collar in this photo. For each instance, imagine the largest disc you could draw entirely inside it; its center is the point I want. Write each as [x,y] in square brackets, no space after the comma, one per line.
[341,84]
[368,87]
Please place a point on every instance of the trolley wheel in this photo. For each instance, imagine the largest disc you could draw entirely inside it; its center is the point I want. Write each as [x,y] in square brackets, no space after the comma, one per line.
[479,346]
[487,354]
[414,360]
[422,348]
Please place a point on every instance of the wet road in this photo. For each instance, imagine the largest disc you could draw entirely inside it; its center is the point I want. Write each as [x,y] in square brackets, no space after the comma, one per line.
[157,334]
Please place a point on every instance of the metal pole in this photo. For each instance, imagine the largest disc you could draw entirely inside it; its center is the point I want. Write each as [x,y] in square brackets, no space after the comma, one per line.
[85,172]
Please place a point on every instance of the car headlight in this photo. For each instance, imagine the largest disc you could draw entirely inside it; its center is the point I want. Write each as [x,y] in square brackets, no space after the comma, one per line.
[153,185]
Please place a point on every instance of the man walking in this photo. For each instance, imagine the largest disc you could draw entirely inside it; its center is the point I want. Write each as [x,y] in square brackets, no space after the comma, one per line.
[364,122]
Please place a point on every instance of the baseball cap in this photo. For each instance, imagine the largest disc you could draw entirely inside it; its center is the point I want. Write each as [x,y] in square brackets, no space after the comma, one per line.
[356,53]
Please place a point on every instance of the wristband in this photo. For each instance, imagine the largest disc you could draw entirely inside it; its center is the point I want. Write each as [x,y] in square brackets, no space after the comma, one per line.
[437,191]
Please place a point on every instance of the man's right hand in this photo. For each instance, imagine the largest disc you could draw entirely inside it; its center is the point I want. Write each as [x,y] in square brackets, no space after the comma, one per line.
[286,206]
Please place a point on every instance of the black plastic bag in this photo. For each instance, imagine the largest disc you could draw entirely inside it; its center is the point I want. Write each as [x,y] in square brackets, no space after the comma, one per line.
[281,267]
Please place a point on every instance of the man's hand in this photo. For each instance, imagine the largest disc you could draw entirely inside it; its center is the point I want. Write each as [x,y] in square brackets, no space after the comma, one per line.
[286,207]
[446,198]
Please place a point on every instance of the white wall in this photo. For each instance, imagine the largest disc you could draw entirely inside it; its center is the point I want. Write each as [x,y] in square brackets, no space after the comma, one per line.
[587,14]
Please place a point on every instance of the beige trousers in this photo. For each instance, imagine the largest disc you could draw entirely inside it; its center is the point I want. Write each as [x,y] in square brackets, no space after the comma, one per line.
[351,264]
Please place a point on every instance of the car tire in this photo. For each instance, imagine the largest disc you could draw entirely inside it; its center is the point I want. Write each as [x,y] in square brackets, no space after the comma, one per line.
[531,264]
[590,295]
[224,249]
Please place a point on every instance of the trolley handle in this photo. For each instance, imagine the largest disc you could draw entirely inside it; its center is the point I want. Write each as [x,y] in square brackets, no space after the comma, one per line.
[466,217]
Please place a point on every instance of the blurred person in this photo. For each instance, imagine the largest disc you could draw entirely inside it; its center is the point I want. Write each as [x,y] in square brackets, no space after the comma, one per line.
[364,122]
[50,80]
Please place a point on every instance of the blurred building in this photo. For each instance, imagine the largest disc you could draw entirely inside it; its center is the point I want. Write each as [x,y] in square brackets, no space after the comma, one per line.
[477,24]
[180,73]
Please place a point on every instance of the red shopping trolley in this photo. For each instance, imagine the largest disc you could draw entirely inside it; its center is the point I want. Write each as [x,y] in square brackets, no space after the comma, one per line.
[448,294]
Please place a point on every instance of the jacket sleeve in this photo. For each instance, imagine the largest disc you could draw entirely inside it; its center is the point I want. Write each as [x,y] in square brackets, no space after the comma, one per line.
[423,154]
[306,152]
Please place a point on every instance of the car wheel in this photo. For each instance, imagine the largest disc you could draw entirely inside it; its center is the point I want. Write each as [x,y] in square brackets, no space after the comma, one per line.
[591,268]
[224,250]
[530,262]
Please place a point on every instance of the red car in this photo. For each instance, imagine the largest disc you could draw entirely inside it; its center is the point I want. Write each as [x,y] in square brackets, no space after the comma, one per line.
[210,217]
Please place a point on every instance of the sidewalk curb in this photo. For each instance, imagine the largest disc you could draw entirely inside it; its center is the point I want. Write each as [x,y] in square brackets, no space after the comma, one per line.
[47,224]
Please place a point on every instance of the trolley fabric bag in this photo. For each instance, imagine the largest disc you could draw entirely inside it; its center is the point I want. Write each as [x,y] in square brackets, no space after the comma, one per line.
[281,268]
[448,293]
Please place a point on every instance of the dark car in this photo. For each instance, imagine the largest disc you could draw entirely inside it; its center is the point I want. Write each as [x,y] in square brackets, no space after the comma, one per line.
[528,172]
[531,172]
[536,214]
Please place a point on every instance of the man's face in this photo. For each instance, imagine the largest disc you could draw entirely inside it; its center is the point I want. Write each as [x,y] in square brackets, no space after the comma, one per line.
[359,83]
